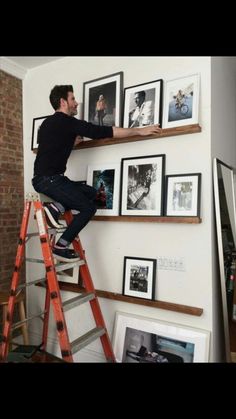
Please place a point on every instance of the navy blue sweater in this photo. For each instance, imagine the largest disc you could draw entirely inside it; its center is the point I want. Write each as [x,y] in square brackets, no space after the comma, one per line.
[56,140]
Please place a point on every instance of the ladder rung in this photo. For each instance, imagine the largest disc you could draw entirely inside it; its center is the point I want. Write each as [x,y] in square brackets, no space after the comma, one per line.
[67,265]
[76,301]
[34,260]
[28,284]
[18,324]
[86,339]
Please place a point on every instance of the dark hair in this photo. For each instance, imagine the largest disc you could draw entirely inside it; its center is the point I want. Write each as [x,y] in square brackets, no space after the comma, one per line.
[59,92]
[141,93]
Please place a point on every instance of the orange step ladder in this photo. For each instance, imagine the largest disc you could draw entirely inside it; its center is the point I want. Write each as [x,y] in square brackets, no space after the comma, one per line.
[53,296]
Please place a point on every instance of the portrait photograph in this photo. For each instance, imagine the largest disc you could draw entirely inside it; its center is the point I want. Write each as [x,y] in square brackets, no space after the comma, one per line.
[102,99]
[142,185]
[105,179]
[139,277]
[138,339]
[35,131]
[183,195]
[143,104]
[181,101]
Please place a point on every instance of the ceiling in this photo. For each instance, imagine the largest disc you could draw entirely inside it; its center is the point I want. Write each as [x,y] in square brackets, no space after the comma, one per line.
[31,62]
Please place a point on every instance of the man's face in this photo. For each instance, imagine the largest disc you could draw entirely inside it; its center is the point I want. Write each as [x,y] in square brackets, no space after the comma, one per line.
[138,99]
[71,104]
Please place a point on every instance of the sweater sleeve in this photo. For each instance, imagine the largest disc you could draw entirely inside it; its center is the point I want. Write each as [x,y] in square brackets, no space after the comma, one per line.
[87,129]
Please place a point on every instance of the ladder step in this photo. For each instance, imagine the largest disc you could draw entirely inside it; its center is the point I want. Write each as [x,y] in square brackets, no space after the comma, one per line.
[67,265]
[18,324]
[86,339]
[28,284]
[76,301]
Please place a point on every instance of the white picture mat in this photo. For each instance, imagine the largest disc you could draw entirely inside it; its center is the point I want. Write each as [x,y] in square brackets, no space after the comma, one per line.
[171,89]
[172,181]
[102,167]
[129,264]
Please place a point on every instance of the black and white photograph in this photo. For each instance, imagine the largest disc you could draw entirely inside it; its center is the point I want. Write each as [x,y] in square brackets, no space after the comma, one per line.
[142,185]
[35,131]
[102,100]
[181,101]
[139,277]
[183,195]
[143,104]
[138,339]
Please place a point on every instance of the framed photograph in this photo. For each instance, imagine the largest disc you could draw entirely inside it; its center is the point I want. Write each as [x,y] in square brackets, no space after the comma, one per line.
[102,100]
[183,195]
[142,185]
[143,104]
[105,178]
[35,131]
[139,339]
[139,277]
[181,101]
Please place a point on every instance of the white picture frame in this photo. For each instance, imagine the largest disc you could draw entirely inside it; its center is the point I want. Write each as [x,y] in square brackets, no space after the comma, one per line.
[138,339]
[106,179]
[181,101]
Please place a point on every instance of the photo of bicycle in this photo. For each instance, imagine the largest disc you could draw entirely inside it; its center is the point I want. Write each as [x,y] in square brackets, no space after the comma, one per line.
[181,103]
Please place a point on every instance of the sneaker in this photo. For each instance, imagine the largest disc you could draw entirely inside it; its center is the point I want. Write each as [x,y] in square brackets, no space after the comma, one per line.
[52,216]
[65,255]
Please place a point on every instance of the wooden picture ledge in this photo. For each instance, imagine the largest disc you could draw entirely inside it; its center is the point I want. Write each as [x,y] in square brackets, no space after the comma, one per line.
[166,132]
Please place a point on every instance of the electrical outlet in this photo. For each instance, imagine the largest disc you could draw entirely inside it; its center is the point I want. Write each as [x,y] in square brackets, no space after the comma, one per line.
[171,263]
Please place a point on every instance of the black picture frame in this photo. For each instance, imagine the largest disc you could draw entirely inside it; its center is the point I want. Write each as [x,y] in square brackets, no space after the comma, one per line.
[150,110]
[35,131]
[139,277]
[111,88]
[183,195]
[142,185]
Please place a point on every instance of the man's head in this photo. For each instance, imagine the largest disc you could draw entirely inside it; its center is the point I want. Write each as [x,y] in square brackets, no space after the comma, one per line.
[62,99]
[139,97]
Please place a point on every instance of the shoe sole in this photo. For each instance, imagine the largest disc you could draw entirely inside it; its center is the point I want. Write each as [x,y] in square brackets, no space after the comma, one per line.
[52,222]
[63,259]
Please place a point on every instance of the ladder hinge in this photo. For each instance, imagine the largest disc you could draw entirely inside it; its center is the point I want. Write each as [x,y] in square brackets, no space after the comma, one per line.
[43,239]
[65,352]
[53,295]
[16,269]
[21,241]
[60,326]
[12,293]
[49,268]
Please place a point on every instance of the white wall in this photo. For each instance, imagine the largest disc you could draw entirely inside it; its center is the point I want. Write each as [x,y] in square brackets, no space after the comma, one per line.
[106,243]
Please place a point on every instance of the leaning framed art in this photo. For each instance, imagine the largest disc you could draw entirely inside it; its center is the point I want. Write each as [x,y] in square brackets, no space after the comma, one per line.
[35,131]
[181,101]
[105,178]
[183,195]
[143,104]
[142,185]
[139,277]
[138,339]
[102,99]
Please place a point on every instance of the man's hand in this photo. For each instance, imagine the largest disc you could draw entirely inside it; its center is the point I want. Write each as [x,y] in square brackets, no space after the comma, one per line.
[78,140]
[150,130]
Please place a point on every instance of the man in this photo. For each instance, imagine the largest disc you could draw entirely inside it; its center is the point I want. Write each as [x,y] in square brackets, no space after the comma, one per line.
[58,135]
[101,108]
[143,114]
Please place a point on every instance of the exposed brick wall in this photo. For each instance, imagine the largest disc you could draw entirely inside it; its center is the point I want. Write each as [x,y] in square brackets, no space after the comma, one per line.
[11,171]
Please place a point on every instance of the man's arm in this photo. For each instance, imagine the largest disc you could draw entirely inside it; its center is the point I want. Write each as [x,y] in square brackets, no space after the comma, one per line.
[132,132]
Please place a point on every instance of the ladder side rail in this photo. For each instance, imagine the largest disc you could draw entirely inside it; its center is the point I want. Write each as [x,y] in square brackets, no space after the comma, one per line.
[94,303]
[52,282]
[15,280]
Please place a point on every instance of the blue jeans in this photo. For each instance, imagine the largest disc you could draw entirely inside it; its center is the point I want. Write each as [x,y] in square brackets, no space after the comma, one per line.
[72,195]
